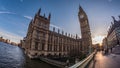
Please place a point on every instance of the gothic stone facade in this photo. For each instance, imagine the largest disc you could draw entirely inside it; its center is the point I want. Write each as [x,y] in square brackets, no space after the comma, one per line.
[85,31]
[41,41]
[113,36]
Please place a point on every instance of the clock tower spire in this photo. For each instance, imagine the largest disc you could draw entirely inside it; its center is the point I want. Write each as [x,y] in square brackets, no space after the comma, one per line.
[85,31]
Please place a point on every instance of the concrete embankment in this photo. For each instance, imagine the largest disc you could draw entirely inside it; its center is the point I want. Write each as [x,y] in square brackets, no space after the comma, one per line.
[53,62]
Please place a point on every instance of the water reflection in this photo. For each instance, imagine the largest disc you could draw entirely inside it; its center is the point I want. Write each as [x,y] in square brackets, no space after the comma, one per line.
[13,57]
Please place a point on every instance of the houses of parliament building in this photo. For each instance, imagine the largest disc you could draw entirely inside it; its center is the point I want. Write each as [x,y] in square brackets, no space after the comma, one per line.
[41,41]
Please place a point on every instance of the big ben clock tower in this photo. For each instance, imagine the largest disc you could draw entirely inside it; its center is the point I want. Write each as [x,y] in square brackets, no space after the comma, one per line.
[85,31]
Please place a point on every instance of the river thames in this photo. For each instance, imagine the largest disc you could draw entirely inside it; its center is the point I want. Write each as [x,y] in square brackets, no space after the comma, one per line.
[14,57]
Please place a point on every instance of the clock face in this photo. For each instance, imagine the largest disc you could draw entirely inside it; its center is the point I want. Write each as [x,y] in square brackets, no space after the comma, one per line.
[82,16]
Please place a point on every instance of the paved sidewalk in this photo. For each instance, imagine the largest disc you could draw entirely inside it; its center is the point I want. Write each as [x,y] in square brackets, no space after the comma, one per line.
[116,50]
[110,60]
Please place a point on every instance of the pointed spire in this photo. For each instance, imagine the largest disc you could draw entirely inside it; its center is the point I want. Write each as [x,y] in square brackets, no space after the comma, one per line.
[69,34]
[38,13]
[58,31]
[44,14]
[49,16]
[53,29]
[119,16]
[80,8]
[110,27]
[113,18]
[81,11]
[62,32]
[31,21]
[111,23]
[66,33]
[76,36]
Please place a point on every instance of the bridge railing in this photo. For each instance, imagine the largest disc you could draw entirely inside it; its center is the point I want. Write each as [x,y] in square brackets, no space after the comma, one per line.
[53,62]
[84,63]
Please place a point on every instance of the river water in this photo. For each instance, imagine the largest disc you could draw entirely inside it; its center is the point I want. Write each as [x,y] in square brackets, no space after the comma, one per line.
[13,57]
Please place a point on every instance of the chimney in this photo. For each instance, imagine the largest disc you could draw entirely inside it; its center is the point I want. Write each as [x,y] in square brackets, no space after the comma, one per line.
[38,13]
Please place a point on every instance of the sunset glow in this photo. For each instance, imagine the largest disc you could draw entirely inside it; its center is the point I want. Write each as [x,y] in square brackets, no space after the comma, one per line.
[97,39]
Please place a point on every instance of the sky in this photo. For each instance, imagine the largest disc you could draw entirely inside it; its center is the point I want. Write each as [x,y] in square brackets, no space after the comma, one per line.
[15,16]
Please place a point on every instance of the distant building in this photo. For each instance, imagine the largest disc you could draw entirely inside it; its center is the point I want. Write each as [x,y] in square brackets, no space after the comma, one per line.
[1,39]
[4,40]
[8,41]
[97,47]
[13,43]
[41,41]
[105,43]
[113,36]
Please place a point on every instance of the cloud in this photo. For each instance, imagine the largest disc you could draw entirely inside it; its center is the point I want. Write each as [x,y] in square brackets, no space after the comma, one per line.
[11,36]
[56,26]
[22,32]
[28,17]
[2,12]
[97,39]
[6,12]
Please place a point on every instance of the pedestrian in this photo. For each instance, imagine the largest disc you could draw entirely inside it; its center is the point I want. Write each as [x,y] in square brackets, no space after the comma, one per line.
[107,51]
[111,49]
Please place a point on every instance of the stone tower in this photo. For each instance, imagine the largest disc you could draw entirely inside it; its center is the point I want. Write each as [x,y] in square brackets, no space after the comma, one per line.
[85,31]
[37,35]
